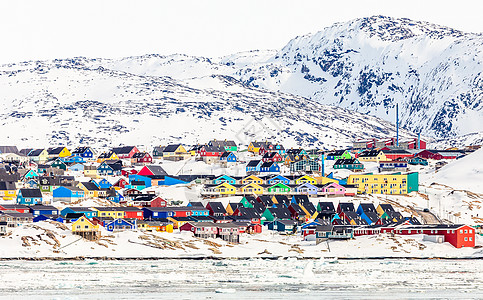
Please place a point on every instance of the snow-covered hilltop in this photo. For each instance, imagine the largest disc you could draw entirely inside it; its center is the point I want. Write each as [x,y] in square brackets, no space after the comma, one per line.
[366,65]
[370,64]
[82,101]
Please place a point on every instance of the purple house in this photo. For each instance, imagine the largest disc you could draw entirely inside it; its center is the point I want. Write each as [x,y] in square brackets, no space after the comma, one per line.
[306,189]
[332,188]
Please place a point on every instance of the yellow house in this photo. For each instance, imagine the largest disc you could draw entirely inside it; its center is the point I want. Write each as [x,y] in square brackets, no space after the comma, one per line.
[155,226]
[58,152]
[107,156]
[226,189]
[251,179]
[85,228]
[372,155]
[321,180]
[175,152]
[392,184]
[39,155]
[10,193]
[305,179]
[110,212]
[90,189]
[254,147]
[252,188]
[177,223]
[230,210]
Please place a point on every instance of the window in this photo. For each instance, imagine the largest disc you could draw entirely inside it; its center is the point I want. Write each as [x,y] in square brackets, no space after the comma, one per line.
[466,230]
[466,239]
[461,230]
[471,230]
[471,238]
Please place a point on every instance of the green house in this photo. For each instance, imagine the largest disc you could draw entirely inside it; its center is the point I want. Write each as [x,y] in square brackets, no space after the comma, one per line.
[279,213]
[247,201]
[279,188]
[349,164]
[338,154]
[413,182]
[59,164]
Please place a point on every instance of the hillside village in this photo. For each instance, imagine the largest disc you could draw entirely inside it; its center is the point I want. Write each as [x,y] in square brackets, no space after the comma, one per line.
[228,192]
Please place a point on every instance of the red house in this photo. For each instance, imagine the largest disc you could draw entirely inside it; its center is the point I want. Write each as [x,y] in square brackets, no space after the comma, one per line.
[141,158]
[133,213]
[15,207]
[152,170]
[121,183]
[128,171]
[457,235]
[272,157]
[125,151]
[396,154]
[211,151]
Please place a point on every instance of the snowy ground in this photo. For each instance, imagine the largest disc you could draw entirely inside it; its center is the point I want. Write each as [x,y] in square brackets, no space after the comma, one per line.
[51,239]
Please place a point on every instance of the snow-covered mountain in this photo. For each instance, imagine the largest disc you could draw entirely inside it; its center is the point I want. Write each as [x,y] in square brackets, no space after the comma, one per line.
[83,101]
[368,65]
[301,92]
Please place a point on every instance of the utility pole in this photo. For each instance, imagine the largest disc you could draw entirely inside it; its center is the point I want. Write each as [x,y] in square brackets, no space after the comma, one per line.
[397,125]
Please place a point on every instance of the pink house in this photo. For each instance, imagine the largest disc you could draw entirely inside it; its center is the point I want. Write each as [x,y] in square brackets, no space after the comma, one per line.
[332,188]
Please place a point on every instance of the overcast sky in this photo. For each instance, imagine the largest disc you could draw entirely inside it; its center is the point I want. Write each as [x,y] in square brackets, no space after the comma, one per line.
[105,28]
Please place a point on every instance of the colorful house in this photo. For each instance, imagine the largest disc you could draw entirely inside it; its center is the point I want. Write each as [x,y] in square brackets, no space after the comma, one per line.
[107,156]
[397,184]
[254,147]
[349,164]
[228,157]
[84,152]
[29,196]
[68,194]
[91,190]
[269,167]
[110,167]
[88,212]
[306,189]
[38,155]
[253,166]
[278,179]
[228,145]
[58,152]
[141,158]
[31,174]
[305,165]
[338,154]
[85,228]
[120,225]
[372,155]
[252,188]
[332,188]
[175,152]
[152,170]
[224,178]
[8,190]
[125,151]
[222,189]
[306,179]
[39,209]
[251,179]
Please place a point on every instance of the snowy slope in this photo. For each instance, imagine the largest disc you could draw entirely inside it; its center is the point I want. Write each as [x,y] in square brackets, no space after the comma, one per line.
[76,101]
[465,173]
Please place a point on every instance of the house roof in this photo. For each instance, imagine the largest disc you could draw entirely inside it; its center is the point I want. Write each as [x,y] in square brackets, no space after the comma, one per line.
[267,164]
[369,153]
[386,207]
[336,153]
[7,186]
[280,212]
[253,163]
[346,206]
[157,170]
[9,149]
[80,150]
[122,150]
[90,186]
[346,161]
[225,143]
[171,148]
[367,207]
[217,207]
[326,207]
[35,152]
[31,193]
[42,207]
[55,150]
[140,154]
[247,212]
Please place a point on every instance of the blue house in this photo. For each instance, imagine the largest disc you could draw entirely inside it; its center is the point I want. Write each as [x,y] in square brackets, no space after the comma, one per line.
[282,225]
[254,166]
[32,184]
[112,168]
[85,152]
[269,167]
[147,181]
[89,213]
[115,196]
[279,179]
[120,224]
[157,213]
[228,157]
[307,189]
[368,212]
[68,193]
[224,178]
[29,196]
[76,167]
[170,180]
[38,209]
[73,159]
[102,184]
[31,174]
[199,211]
